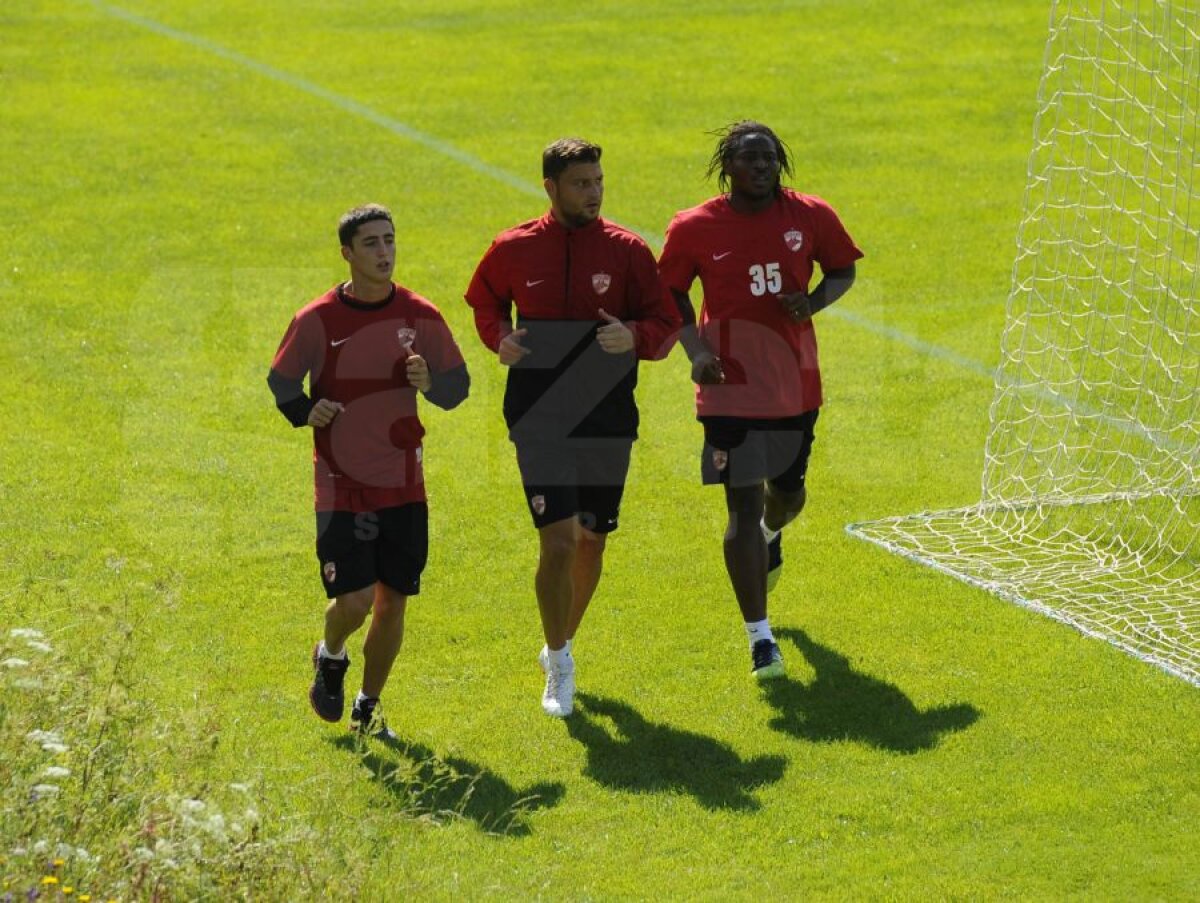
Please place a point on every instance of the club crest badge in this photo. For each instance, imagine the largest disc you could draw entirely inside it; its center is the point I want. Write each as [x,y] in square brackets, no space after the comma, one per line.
[794,239]
[601,282]
[720,459]
[538,504]
[406,336]
[329,572]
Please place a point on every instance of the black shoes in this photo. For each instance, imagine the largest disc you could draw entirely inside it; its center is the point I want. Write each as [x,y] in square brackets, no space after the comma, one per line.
[327,696]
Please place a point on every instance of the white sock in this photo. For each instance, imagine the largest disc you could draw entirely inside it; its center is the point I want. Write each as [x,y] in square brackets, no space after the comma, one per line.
[561,658]
[325,653]
[768,534]
[759,630]
[546,648]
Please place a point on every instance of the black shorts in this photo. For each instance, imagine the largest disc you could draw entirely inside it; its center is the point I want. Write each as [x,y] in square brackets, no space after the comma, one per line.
[584,478]
[358,549]
[742,452]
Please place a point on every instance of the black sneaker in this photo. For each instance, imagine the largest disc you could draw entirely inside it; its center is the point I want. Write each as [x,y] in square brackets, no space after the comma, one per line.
[366,720]
[326,696]
[767,660]
[774,560]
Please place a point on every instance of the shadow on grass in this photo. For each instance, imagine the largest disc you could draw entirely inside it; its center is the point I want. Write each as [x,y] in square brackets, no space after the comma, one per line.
[443,789]
[643,757]
[843,704]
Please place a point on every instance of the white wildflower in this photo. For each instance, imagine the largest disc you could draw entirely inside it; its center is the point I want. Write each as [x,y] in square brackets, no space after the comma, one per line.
[26,633]
[143,854]
[44,736]
[56,771]
[18,851]
[216,826]
[39,646]
[240,788]
[56,748]
[43,790]
[40,847]
[14,663]
[28,683]
[251,815]
[192,806]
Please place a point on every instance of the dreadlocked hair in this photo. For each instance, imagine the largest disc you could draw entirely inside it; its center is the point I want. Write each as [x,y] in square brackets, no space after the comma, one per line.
[729,140]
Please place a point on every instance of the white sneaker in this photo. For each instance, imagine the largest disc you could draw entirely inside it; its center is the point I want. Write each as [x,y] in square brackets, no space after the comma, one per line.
[558,700]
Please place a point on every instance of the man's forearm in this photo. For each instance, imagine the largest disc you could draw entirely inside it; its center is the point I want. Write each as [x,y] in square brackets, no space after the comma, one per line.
[835,284]
[290,398]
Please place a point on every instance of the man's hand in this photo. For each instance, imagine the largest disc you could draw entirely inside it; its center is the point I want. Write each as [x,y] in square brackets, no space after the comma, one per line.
[796,305]
[614,337]
[323,412]
[511,349]
[707,369]
[417,371]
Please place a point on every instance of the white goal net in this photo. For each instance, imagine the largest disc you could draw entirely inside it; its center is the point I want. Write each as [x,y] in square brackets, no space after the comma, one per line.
[1090,506]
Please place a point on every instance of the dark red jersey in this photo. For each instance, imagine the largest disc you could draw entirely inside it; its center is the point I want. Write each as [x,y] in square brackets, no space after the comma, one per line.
[558,280]
[744,261]
[355,354]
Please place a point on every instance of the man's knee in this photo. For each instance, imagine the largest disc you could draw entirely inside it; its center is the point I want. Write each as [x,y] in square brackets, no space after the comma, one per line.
[357,603]
[389,601]
[790,500]
[745,508]
[591,544]
[558,541]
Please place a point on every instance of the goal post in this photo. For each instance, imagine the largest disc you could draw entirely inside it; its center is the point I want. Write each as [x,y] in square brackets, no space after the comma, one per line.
[1090,499]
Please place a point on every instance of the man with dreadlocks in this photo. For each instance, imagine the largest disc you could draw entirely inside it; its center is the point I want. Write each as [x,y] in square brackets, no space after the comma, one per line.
[754,352]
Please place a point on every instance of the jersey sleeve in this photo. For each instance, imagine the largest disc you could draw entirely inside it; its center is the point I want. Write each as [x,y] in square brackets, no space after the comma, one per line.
[835,249]
[677,266]
[658,319]
[294,359]
[436,343]
[491,299]
[296,356]
[448,370]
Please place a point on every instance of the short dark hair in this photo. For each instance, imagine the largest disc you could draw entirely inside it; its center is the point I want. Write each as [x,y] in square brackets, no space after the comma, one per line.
[352,220]
[729,141]
[565,151]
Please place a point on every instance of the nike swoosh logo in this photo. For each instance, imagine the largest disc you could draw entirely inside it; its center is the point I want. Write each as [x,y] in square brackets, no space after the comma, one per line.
[339,342]
[722,256]
[529,284]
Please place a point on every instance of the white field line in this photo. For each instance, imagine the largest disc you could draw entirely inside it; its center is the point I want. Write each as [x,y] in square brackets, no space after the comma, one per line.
[448,150]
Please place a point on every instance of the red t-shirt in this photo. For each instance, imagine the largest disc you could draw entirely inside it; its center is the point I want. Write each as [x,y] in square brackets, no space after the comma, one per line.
[743,261]
[355,353]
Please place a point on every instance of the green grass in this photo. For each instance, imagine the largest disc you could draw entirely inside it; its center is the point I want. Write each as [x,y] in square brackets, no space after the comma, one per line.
[168,205]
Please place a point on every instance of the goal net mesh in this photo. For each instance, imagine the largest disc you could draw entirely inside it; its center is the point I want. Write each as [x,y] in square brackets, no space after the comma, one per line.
[1090,500]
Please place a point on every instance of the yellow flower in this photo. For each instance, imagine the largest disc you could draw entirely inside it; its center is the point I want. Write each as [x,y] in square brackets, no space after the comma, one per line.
[58,863]
[49,879]
[68,890]
[85,898]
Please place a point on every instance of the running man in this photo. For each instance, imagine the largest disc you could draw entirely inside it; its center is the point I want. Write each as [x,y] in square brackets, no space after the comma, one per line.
[589,306]
[754,354]
[367,346]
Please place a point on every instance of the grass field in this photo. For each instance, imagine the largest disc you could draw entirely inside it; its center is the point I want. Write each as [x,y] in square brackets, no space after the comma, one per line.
[173,174]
